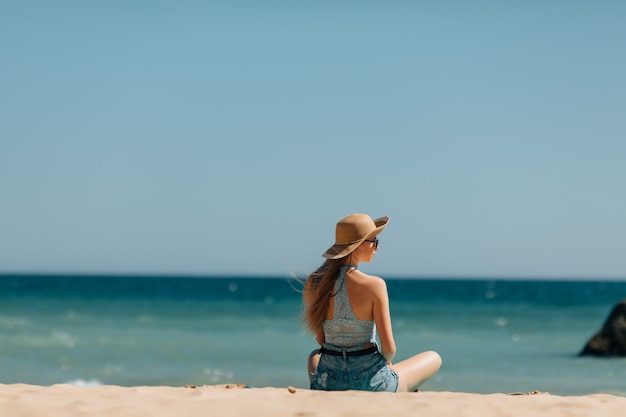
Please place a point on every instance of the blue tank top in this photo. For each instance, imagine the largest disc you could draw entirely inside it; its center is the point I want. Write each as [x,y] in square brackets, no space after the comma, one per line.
[344,329]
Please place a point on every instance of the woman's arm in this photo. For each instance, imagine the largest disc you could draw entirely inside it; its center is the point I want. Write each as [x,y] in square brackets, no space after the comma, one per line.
[320,337]
[382,318]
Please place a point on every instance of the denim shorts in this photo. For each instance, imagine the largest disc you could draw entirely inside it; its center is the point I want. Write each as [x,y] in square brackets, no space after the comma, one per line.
[365,373]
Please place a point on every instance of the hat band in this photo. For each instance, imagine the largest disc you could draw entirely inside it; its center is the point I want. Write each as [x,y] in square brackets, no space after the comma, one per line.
[348,243]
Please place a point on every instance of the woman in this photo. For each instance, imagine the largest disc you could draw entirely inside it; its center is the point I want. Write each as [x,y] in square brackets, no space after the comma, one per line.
[344,308]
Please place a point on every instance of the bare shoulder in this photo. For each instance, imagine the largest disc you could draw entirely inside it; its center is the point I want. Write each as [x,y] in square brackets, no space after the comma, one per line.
[373,283]
[379,285]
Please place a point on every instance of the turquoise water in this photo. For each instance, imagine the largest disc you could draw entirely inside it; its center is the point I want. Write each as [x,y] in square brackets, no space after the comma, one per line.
[494,336]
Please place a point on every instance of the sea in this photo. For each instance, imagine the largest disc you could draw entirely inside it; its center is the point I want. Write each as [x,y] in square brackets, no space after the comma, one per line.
[494,335]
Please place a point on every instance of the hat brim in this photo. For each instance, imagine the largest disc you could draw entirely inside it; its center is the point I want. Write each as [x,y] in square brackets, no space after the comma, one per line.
[340,250]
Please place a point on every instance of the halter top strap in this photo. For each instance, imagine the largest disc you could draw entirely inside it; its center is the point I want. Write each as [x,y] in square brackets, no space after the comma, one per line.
[343,308]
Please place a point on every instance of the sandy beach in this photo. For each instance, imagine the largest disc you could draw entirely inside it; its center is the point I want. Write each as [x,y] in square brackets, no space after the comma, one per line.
[21,400]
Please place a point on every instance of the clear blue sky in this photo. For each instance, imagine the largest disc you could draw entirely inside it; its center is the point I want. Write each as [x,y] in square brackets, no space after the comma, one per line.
[201,137]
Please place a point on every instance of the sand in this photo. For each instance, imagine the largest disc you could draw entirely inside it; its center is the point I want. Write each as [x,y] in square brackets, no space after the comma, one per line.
[21,400]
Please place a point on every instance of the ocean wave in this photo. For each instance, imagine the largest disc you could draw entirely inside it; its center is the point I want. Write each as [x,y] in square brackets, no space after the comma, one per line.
[85,383]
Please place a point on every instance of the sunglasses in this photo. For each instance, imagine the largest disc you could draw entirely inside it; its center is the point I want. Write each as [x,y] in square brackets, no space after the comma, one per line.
[374,241]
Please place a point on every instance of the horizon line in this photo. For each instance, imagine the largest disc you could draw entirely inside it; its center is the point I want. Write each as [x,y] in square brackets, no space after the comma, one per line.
[469,277]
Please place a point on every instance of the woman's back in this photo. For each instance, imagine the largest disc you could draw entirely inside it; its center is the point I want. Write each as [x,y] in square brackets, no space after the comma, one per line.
[350,318]
[358,287]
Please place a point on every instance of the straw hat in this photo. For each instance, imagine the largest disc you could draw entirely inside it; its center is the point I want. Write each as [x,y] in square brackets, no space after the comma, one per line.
[353,230]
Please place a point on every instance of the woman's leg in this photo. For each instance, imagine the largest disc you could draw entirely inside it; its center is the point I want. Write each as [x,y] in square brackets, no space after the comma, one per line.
[414,371]
[312,362]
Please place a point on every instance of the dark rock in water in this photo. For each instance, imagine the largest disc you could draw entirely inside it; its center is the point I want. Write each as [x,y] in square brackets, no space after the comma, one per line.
[611,339]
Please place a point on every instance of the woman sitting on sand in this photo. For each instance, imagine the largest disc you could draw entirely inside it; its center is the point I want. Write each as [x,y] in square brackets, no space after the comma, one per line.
[344,307]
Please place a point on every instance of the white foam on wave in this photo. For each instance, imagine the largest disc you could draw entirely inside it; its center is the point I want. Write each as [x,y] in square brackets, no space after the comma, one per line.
[85,383]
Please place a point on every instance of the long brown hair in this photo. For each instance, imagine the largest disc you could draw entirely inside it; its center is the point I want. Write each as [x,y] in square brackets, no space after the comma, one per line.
[319,288]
